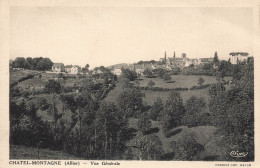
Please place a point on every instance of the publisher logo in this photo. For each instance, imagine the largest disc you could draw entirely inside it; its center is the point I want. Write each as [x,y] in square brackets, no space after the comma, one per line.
[238,154]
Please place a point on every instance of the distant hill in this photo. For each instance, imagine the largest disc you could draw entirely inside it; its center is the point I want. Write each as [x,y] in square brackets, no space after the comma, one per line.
[116,66]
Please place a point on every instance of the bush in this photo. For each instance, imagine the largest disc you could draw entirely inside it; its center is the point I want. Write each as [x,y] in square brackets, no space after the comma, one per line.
[167,77]
[25,94]
[201,81]
[151,83]
[199,87]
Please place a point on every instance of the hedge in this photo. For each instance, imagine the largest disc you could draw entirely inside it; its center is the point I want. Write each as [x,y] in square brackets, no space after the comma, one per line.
[199,87]
[162,89]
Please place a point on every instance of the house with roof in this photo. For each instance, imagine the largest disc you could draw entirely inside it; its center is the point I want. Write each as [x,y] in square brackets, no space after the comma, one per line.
[203,61]
[68,68]
[117,69]
[191,62]
[58,67]
[236,57]
[75,69]
[139,69]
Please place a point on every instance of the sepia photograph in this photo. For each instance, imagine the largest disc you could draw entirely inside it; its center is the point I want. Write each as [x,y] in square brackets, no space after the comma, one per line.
[131,83]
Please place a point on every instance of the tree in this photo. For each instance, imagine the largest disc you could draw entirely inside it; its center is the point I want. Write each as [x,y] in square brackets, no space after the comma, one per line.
[151,83]
[29,63]
[44,64]
[224,69]
[144,123]
[186,148]
[201,81]
[60,75]
[216,89]
[124,82]
[215,59]
[85,69]
[167,77]
[131,75]
[24,120]
[194,108]
[35,61]
[233,111]
[149,147]
[87,66]
[160,72]
[19,62]
[148,72]
[53,86]
[207,66]
[156,109]
[173,111]
[130,102]
[82,108]
[108,124]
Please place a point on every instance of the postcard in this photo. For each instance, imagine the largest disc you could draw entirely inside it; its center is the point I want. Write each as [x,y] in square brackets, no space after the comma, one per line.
[129,83]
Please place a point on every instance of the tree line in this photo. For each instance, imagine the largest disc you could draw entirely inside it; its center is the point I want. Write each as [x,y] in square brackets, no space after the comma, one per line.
[38,63]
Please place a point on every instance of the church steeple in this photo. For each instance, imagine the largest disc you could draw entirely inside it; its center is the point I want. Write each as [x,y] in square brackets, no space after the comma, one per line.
[174,54]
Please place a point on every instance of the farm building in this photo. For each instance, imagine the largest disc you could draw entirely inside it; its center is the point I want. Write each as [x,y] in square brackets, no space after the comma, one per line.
[58,67]
[205,60]
[68,68]
[75,69]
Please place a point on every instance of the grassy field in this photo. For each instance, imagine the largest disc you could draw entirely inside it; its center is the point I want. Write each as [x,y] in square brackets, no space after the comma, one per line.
[185,81]
[17,74]
[22,152]
[151,96]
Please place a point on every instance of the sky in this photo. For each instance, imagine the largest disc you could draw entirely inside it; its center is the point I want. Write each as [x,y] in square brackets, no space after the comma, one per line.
[111,35]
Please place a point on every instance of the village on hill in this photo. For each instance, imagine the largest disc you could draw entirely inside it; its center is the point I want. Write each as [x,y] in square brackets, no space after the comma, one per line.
[168,63]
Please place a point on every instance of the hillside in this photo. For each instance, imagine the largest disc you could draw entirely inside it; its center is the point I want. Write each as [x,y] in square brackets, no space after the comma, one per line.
[203,135]
[22,152]
[100,116]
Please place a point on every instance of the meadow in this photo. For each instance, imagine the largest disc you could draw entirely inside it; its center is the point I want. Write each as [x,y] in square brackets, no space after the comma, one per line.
[184,81]
[180,81]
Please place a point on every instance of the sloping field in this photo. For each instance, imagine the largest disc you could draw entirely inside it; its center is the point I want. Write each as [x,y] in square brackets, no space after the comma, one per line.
[151,96]
[17,74]
[22,152]
[185,81]
[203,135]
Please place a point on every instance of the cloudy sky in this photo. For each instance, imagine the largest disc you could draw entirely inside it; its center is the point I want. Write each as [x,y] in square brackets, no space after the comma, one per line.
[111,35]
